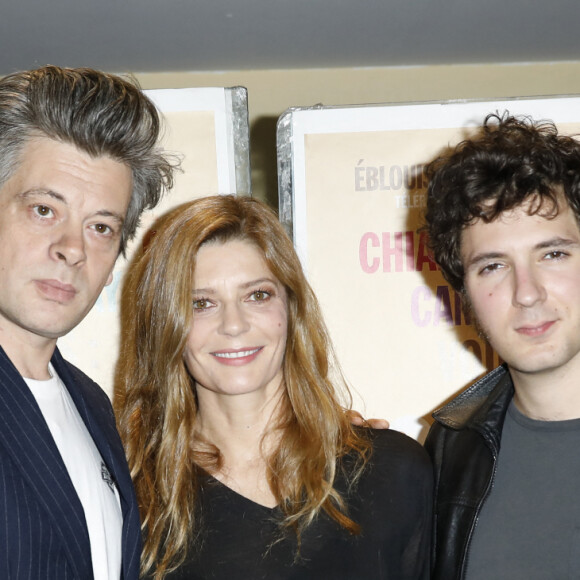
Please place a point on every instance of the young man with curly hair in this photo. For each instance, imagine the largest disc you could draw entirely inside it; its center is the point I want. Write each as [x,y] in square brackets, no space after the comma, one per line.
[503,218]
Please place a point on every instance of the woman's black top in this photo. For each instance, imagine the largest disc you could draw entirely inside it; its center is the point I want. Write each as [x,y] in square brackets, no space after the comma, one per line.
[392,502]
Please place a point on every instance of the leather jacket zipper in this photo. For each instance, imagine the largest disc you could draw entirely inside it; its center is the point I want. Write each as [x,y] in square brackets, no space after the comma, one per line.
[478,510]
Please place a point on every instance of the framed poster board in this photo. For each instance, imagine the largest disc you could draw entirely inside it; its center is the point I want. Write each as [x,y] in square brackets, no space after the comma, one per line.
[208,129]
[352,193]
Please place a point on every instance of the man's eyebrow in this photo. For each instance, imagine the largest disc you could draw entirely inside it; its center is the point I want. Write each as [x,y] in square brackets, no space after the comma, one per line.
[40,192]
[119,218]
[557,242]
[112,214]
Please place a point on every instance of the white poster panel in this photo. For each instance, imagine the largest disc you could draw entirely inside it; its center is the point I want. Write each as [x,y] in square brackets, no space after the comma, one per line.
[208,129]
[352,191]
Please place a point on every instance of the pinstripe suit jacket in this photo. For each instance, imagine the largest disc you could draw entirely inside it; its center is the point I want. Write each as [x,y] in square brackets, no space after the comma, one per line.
[43,534]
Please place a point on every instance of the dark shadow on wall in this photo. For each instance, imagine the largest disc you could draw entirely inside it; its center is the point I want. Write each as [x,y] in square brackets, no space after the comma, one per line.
[263,160]
[460,319]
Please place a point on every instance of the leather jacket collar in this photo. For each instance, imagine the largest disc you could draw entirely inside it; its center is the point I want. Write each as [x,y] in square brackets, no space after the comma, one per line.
[481,407]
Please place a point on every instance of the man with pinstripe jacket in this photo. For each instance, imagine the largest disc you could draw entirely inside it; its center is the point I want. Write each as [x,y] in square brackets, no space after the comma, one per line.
[79,162]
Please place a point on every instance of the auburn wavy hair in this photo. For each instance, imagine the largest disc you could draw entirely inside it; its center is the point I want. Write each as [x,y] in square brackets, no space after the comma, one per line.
[155,397]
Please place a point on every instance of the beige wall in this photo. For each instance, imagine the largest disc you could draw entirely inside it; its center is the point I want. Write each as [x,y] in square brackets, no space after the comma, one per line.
[271,92]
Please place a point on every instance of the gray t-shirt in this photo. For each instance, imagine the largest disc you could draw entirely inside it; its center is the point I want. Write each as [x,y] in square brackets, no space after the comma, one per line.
[529,526]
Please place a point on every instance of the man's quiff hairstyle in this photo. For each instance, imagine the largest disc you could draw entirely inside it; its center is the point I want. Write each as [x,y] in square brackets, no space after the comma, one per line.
[509,161]
[100,114]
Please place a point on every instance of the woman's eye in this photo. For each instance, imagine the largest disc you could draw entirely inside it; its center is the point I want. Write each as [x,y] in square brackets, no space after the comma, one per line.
[201,304]
[259,295]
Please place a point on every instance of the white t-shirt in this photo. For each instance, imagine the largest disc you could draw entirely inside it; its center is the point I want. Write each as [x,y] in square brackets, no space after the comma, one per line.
[88,472]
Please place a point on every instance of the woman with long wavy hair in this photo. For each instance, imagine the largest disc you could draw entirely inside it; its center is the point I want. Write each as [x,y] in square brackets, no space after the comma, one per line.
[244,460]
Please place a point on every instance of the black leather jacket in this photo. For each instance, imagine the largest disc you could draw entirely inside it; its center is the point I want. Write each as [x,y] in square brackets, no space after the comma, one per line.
[464,444]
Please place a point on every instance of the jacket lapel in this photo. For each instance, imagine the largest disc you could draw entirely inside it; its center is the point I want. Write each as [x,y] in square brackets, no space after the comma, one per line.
[96,412]
[25,437]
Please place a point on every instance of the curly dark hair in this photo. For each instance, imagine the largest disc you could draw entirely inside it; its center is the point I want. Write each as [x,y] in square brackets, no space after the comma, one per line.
[508,161]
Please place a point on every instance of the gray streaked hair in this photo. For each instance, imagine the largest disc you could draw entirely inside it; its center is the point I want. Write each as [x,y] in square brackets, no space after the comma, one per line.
[99,113]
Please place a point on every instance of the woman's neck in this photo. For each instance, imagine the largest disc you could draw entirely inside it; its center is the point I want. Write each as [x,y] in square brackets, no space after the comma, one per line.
[243,429]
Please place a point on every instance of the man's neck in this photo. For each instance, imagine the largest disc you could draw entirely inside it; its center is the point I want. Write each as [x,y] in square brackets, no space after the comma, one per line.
[549,396]
[30,357]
